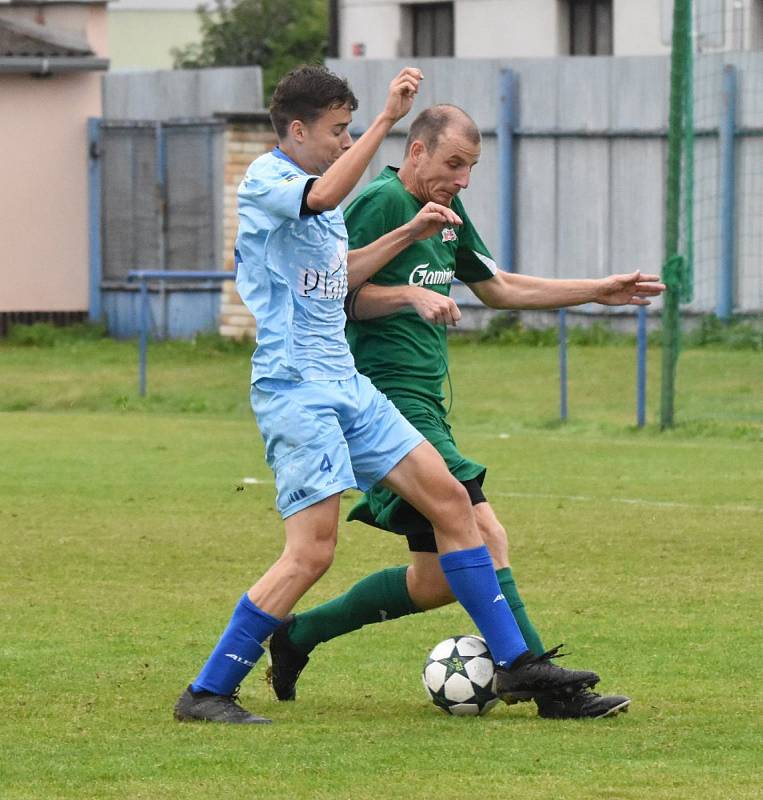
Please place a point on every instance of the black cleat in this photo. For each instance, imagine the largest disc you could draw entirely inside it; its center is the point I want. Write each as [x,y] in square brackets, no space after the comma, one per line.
[208,707]
[533,676]
[582,705]
[286,662]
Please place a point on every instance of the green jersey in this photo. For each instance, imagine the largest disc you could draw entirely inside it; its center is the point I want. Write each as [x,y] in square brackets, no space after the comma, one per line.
[401,353]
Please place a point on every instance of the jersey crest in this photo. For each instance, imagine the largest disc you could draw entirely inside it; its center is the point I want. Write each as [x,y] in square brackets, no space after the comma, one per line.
[448,235]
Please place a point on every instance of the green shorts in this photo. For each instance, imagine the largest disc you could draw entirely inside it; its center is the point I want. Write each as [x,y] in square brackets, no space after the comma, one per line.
[384,509]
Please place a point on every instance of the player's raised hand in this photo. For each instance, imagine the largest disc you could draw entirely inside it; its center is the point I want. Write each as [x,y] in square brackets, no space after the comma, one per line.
[632,289]
[431,220]
[434,307]
[402,92]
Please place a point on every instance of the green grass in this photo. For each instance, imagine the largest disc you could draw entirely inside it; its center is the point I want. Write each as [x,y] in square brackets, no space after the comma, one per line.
[514,385]
[127,536]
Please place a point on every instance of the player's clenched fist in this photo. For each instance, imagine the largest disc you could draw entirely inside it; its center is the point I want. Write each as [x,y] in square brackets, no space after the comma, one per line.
[402,92]
[433,306]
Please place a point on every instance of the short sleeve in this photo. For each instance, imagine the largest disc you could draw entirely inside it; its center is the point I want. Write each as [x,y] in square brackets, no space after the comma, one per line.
[473,260]
[366,220]
[277,195]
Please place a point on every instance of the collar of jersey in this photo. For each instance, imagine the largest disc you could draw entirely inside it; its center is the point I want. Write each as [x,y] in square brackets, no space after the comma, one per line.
[278,153]
[393,172]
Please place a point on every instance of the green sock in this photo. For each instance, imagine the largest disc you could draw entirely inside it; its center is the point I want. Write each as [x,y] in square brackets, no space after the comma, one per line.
[376,598]
[511,593]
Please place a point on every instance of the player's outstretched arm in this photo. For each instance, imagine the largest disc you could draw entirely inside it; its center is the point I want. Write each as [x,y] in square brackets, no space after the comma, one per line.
[512,291]
[365,261]
[340,178]
[370,302]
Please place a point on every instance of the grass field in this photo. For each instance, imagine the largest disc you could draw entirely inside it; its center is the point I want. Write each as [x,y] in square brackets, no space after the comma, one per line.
[127,535]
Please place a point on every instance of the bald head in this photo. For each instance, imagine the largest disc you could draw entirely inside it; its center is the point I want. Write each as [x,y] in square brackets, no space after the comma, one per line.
[432,123]
[442,147]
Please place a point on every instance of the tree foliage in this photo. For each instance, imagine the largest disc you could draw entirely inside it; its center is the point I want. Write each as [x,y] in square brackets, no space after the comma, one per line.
[273,34]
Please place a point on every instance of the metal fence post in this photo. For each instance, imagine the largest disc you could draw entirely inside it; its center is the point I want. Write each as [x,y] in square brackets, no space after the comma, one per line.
[641,368]
[144,323]
[563,364]
[160,170]
[725,305]
[144,276]
[94,217]
[506,125]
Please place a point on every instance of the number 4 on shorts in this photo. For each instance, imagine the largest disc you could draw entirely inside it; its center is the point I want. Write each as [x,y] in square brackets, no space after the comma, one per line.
[326,463]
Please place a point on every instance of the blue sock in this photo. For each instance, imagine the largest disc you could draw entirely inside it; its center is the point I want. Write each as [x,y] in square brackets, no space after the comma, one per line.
[238,649]
[471,576]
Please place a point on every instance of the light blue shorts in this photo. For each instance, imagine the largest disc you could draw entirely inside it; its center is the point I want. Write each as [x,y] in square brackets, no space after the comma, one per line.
[322,437]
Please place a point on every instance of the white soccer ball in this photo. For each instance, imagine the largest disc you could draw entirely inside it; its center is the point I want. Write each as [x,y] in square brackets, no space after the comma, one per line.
[458,676]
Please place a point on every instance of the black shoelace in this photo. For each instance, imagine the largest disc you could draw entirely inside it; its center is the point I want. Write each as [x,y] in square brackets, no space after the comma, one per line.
[552,653]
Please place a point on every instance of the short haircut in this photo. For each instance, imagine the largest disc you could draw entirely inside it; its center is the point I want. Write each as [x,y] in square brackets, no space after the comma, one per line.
[432,122]
[305,93]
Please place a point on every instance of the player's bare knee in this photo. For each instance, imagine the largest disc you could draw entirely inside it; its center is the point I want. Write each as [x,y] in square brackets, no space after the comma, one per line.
[314,565]
[312,560]
[493,535]
[450,505]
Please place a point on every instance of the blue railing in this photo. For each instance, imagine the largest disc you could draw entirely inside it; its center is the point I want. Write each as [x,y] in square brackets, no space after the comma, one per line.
[641,342]
[146,275]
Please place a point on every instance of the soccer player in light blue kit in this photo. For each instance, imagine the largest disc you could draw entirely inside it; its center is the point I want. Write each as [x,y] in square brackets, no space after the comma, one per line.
[325,427]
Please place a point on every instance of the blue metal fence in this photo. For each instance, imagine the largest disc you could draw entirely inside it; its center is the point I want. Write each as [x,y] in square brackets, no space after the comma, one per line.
[641,356]
[144,276]
[155,200]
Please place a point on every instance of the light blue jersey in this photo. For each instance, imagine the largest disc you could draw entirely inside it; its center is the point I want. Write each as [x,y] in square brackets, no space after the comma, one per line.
[291,272]
[325,427]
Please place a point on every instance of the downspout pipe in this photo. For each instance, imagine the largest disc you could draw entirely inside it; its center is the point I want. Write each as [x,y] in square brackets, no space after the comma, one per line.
[50,65]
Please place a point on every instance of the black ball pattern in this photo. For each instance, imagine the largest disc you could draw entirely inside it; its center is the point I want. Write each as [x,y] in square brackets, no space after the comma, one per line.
[458,676]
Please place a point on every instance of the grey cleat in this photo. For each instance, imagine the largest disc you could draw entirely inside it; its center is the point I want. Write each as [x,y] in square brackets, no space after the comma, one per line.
[207,707]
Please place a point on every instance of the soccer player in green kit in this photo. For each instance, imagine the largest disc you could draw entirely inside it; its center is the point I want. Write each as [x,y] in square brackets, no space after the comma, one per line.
[397,333]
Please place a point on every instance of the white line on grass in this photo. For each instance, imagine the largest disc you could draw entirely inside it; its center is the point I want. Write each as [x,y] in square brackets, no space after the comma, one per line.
[581,498]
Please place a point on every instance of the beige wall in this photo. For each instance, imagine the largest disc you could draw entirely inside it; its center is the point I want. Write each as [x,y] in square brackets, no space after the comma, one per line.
[517,28]
[43,196]
[375,24]
[638,28]
[243,143]
[143,39]
[482,29]
[497,28]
